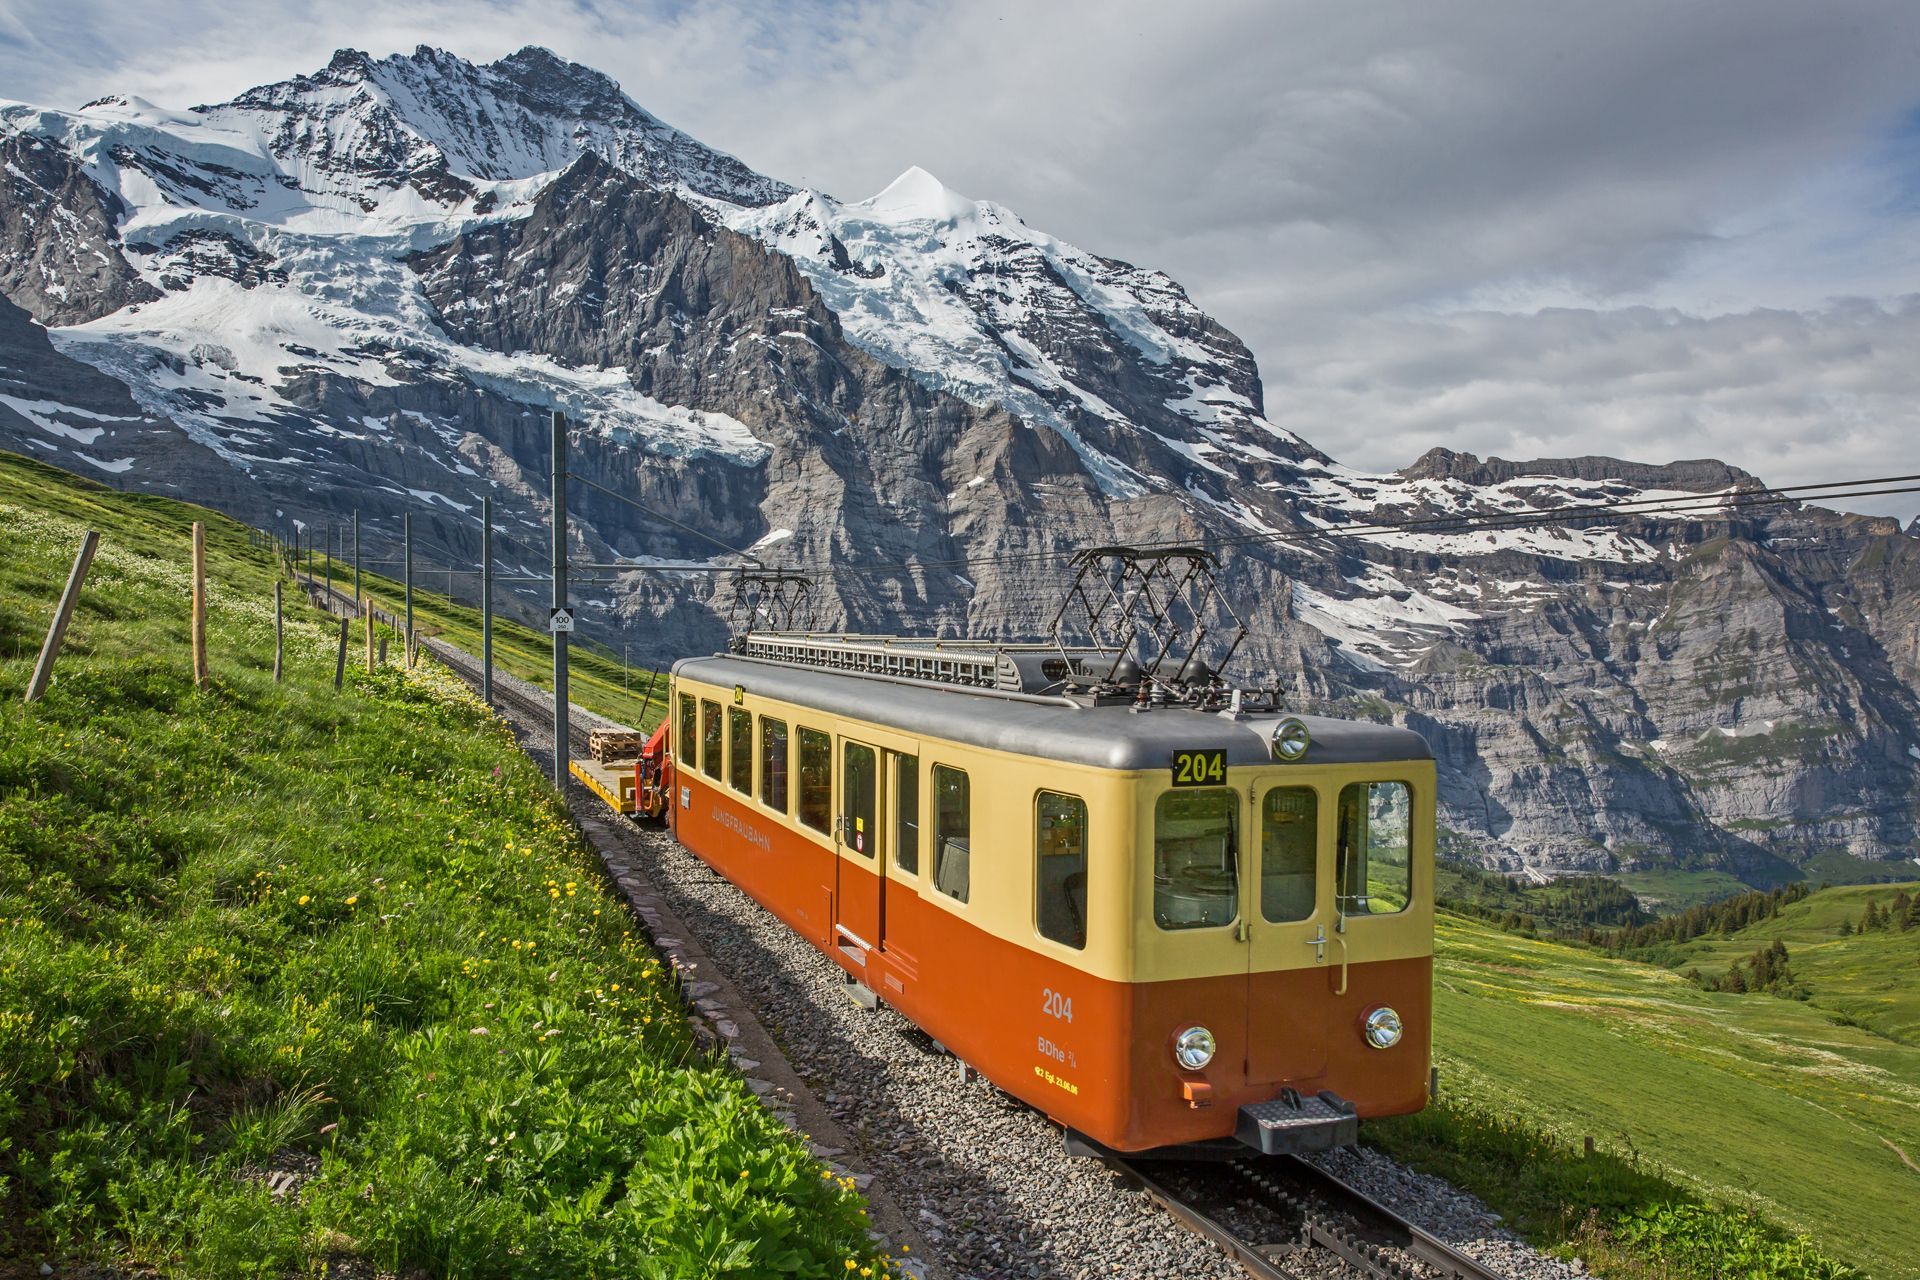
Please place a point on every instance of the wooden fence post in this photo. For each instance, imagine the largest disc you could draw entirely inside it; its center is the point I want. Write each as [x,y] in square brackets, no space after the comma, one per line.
[366,612]
[199,625]
[340,660]
[279,632]
[57,631]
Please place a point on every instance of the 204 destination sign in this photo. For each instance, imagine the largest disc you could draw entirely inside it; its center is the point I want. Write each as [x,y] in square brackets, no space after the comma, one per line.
[1200,768]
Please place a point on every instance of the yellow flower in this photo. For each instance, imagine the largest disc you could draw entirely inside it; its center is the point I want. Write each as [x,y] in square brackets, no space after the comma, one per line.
[304,899]
[743,1173]
[355,898]
[615,987]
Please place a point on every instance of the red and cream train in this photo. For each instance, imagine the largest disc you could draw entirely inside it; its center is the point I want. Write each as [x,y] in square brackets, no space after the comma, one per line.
[1166,927]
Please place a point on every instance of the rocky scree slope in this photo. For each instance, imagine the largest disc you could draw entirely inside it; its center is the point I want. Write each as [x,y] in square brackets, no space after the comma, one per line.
[367,288]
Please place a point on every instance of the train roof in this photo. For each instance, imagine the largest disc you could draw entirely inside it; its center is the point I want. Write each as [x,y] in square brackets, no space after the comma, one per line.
[1102,737]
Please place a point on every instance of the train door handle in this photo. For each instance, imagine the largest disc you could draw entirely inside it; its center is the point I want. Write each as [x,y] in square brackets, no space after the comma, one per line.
[1319,944]
[1342,940]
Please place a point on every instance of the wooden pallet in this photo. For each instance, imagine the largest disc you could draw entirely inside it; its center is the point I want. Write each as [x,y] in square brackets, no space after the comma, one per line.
[608,745]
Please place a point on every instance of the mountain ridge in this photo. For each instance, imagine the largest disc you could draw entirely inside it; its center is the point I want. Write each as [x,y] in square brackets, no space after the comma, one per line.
[366,289]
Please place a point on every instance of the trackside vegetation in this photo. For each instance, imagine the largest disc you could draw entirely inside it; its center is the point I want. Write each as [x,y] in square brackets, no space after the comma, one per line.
[1787,1129]
[301,983]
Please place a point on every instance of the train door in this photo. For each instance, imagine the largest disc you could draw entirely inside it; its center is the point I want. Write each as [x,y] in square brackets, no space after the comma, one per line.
[859,864]
[902,872]
[1297,956]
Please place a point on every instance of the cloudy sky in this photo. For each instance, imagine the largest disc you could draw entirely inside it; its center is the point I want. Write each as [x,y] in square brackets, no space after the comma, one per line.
[1653,230]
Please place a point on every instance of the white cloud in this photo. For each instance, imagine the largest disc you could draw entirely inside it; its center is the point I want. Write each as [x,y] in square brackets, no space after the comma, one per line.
[1795,396]
[1383,199]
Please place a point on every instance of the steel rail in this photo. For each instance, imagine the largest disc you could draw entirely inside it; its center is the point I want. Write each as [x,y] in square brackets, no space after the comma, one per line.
[1359,1230]
[1244,1252]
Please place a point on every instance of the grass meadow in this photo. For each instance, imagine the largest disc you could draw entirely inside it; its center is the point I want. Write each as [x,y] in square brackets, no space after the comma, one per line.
[1748,1102]
[296,982]
[595,677]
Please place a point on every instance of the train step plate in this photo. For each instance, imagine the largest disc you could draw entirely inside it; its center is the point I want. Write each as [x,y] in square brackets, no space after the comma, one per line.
[1295,1122]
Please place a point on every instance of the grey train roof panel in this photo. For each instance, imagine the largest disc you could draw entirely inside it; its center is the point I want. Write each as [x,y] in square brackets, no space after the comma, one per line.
[1100,737]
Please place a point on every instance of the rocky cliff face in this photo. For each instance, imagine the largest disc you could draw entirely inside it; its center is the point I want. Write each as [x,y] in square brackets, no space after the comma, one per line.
[368,288]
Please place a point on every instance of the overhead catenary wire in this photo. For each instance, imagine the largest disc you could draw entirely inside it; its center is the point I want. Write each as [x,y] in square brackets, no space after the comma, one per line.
[663,517]
[1677,506]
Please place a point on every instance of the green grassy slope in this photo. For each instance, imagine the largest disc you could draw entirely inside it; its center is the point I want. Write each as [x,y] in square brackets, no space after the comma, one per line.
[1872,978]
[1750,1100]
[594,676]
[270,927]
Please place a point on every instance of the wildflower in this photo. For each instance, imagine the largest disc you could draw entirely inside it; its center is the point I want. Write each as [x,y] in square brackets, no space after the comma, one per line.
[478,1031]
[615,987]
[743,1174]
[304,899]
[355,898]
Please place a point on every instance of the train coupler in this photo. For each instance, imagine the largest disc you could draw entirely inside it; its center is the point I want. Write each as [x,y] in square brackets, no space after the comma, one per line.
[1296,1122]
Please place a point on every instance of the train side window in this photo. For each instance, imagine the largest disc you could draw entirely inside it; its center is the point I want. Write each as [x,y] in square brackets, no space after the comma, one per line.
[689,731]
[952,832]
[773,763]
[906,817]
[1375,840]
[740,750]
[1289,853]
[1196,873]
[1060,868]
[816,779]
[710,738]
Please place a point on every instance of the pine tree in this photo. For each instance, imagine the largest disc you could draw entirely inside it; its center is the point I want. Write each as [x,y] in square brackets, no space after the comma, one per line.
[1870,918]
[1846,928]
[1902,908]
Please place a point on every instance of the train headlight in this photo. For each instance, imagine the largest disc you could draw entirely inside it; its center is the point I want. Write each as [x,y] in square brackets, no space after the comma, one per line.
[1193,1048]
[1383,1028]
[1290,740]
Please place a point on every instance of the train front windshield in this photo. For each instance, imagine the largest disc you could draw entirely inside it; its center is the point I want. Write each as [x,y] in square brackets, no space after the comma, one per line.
[1280,851]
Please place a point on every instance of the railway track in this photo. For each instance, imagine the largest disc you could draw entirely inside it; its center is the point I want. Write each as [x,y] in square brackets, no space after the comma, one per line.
[538,704]
[1281,1218]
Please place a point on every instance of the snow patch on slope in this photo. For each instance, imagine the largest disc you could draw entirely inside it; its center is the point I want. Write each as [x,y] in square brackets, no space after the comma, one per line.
[1375,632]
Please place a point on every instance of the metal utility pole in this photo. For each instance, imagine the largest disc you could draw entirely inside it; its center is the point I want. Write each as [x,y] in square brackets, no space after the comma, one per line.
[356,557]
[329,566]
[486,600]
[562,622]
[406,640]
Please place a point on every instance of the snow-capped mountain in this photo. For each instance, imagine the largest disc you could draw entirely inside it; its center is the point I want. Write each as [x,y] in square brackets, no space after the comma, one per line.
[366,288]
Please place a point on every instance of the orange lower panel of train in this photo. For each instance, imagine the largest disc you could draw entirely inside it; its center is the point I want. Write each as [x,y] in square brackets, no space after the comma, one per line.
[1095,1055]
